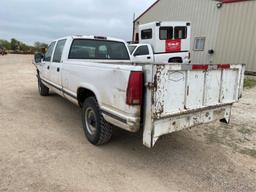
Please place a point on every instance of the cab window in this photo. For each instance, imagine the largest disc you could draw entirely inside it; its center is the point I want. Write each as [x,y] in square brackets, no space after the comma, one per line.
[58,51]
[48,54]
[131,48]
[142,50]
[98,49]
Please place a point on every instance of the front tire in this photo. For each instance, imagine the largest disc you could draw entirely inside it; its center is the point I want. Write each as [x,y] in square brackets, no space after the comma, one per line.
[42,89]
[96,129]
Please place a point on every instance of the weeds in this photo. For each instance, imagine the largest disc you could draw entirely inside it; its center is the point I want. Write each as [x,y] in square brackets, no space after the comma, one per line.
[249,83]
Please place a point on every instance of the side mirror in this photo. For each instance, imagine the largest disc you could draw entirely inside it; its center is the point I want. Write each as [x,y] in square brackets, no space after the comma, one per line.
[38,57]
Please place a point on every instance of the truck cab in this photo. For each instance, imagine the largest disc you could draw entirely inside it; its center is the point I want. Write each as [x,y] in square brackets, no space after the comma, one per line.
[141,53]
[145,53]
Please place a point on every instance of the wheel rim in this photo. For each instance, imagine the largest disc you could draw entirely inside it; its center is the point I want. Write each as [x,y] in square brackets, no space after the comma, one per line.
[91,121]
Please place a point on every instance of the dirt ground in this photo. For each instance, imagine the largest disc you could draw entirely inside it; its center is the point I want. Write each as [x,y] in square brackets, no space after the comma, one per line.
[43,148]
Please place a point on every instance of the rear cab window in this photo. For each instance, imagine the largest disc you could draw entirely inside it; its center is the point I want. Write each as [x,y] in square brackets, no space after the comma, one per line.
[48,54]
[98,49]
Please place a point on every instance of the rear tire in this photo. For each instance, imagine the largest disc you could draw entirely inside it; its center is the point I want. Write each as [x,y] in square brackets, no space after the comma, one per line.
[96,129]
[42,89]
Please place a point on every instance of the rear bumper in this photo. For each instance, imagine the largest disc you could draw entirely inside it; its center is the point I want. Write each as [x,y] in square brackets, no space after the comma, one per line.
[183,121]
[128,123]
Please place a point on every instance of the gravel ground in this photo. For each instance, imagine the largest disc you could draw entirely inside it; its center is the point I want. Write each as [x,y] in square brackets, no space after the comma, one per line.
[43,148]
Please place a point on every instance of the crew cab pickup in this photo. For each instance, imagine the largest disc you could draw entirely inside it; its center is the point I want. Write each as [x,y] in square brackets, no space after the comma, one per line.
[145,53]
[96,74]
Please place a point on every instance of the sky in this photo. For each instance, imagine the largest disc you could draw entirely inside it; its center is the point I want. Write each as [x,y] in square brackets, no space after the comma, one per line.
[45,20]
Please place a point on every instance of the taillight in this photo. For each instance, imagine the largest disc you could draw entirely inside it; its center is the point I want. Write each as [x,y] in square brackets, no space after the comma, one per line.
[135,88]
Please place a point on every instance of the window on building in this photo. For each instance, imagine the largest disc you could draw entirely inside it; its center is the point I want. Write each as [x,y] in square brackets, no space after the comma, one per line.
[98,49]
[48,54]
[142,50]
[199,43]
[146,34]
[58,51]
[180,32]
[165,33]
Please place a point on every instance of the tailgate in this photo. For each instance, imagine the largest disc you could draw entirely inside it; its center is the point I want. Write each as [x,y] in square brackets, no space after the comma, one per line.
[179,96]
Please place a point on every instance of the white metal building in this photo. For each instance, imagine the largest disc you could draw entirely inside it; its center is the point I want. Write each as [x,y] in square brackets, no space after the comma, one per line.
[228,27]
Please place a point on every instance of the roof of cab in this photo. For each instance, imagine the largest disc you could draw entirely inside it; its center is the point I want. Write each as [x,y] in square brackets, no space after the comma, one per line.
[92,37]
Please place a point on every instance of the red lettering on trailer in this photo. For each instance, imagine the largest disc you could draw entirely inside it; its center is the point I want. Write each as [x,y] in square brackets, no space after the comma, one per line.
[172,45]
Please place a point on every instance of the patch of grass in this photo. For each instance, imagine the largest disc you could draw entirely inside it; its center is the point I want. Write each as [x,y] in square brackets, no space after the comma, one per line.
[245,131]
[249,83]
[250,152]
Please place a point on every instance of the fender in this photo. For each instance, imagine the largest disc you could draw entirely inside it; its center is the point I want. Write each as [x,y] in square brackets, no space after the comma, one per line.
[92,89]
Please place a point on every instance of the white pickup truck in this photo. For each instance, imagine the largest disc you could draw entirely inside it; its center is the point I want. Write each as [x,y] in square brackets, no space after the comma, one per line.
[144,53]
[96,74]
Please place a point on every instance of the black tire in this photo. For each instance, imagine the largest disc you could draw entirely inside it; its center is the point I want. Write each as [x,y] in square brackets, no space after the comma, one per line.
[96,129]
[42,89]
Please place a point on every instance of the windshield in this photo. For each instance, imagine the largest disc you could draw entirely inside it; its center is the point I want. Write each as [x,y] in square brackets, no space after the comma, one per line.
[131,48]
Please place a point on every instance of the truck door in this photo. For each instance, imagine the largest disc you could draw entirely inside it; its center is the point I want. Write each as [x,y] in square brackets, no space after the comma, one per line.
[56,65]
[45,67]
[143,54]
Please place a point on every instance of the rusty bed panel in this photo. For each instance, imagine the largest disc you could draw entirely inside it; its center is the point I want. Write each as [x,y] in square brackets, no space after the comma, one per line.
[181,90]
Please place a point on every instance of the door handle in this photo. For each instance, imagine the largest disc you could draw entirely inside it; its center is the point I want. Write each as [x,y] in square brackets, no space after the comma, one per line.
[58,69]
[148,57]
[48,67]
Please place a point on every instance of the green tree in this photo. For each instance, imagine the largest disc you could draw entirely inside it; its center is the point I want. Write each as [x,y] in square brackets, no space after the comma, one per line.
[15,44]
[38,46]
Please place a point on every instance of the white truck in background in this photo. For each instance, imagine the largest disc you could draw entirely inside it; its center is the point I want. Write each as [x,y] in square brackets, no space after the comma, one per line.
[97,74]
[162,42]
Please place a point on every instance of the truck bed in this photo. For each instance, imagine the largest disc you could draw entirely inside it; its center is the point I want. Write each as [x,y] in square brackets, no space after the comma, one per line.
[181,96]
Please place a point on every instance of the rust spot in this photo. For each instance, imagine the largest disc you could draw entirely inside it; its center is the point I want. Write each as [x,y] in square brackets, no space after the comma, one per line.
[161,75]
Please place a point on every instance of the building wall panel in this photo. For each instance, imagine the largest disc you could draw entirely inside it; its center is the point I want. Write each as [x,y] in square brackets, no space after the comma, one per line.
[237,33]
